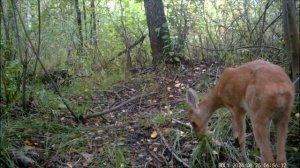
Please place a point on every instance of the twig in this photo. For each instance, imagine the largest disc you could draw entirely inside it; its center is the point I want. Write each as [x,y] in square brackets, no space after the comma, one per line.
[100,116]
[116,107]
[155,157]
[182,123]
[170,149]
[140,40]
[115,93]
[242,47]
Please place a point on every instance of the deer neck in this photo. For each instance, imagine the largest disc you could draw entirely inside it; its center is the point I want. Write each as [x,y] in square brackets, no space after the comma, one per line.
[210,104]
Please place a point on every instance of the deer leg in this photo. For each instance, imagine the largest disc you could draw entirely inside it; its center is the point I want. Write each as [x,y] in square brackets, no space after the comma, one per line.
[282,129]
[261,134]
[239,128]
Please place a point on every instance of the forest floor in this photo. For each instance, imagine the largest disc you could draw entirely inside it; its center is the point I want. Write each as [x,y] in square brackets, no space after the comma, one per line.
[141,122]
[146,129]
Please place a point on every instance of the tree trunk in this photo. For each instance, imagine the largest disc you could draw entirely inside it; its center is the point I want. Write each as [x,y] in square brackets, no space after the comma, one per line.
[126,41]
[7,47]
[84,20]
[292,38]
[78,18]
[93,40]
[1,56]
[158,30]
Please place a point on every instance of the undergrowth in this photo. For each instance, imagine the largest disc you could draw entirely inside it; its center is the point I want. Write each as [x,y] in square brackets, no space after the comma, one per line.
[58,138]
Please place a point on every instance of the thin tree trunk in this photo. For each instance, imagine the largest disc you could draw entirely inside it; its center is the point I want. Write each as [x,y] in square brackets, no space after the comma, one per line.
[24,61]
[79,26]
[8,40]
[84,20]
[124,34]
[93,40]
[1,56]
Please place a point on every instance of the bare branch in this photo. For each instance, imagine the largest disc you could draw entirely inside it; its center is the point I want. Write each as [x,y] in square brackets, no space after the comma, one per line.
[170,149]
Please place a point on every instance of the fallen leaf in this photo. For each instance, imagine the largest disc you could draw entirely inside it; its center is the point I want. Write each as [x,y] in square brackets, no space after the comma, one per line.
[98,138]
[28,142]
[69,165]
[153,134]
[166,131]
[177,85]
[88,158]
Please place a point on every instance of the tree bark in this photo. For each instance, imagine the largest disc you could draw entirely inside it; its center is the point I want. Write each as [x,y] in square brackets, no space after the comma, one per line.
[1,56]
[93,40]
[79,26]
[158,30]
[292,38]
[84,21]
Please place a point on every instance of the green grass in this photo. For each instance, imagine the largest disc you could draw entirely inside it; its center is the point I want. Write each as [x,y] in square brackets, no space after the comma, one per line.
[156,120]
[5,159]
[48,135]
[116,155]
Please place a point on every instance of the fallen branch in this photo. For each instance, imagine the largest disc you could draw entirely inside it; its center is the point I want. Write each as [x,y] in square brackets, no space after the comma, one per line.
[170,149]
[116,107]
[182,123]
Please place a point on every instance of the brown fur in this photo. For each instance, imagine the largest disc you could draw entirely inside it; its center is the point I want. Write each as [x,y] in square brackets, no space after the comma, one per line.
[261,89]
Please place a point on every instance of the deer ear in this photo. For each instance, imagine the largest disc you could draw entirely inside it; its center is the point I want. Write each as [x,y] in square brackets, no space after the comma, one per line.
[192,99]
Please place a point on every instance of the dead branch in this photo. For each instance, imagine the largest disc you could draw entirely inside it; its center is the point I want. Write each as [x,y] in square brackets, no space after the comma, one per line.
[116,107]
[140,40]
[170,149]
[182,123]
[100,116]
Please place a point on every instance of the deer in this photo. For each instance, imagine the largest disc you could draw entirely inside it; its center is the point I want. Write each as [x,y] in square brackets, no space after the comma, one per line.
[261,90]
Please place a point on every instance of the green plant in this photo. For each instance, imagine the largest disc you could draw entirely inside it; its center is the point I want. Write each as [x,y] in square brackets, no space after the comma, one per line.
[5,159]
[204,155]
[117,154]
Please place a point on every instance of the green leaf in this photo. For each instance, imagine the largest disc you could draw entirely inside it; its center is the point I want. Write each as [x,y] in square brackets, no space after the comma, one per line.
[164,37]
[177,59]
[171,53]
[164,25]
